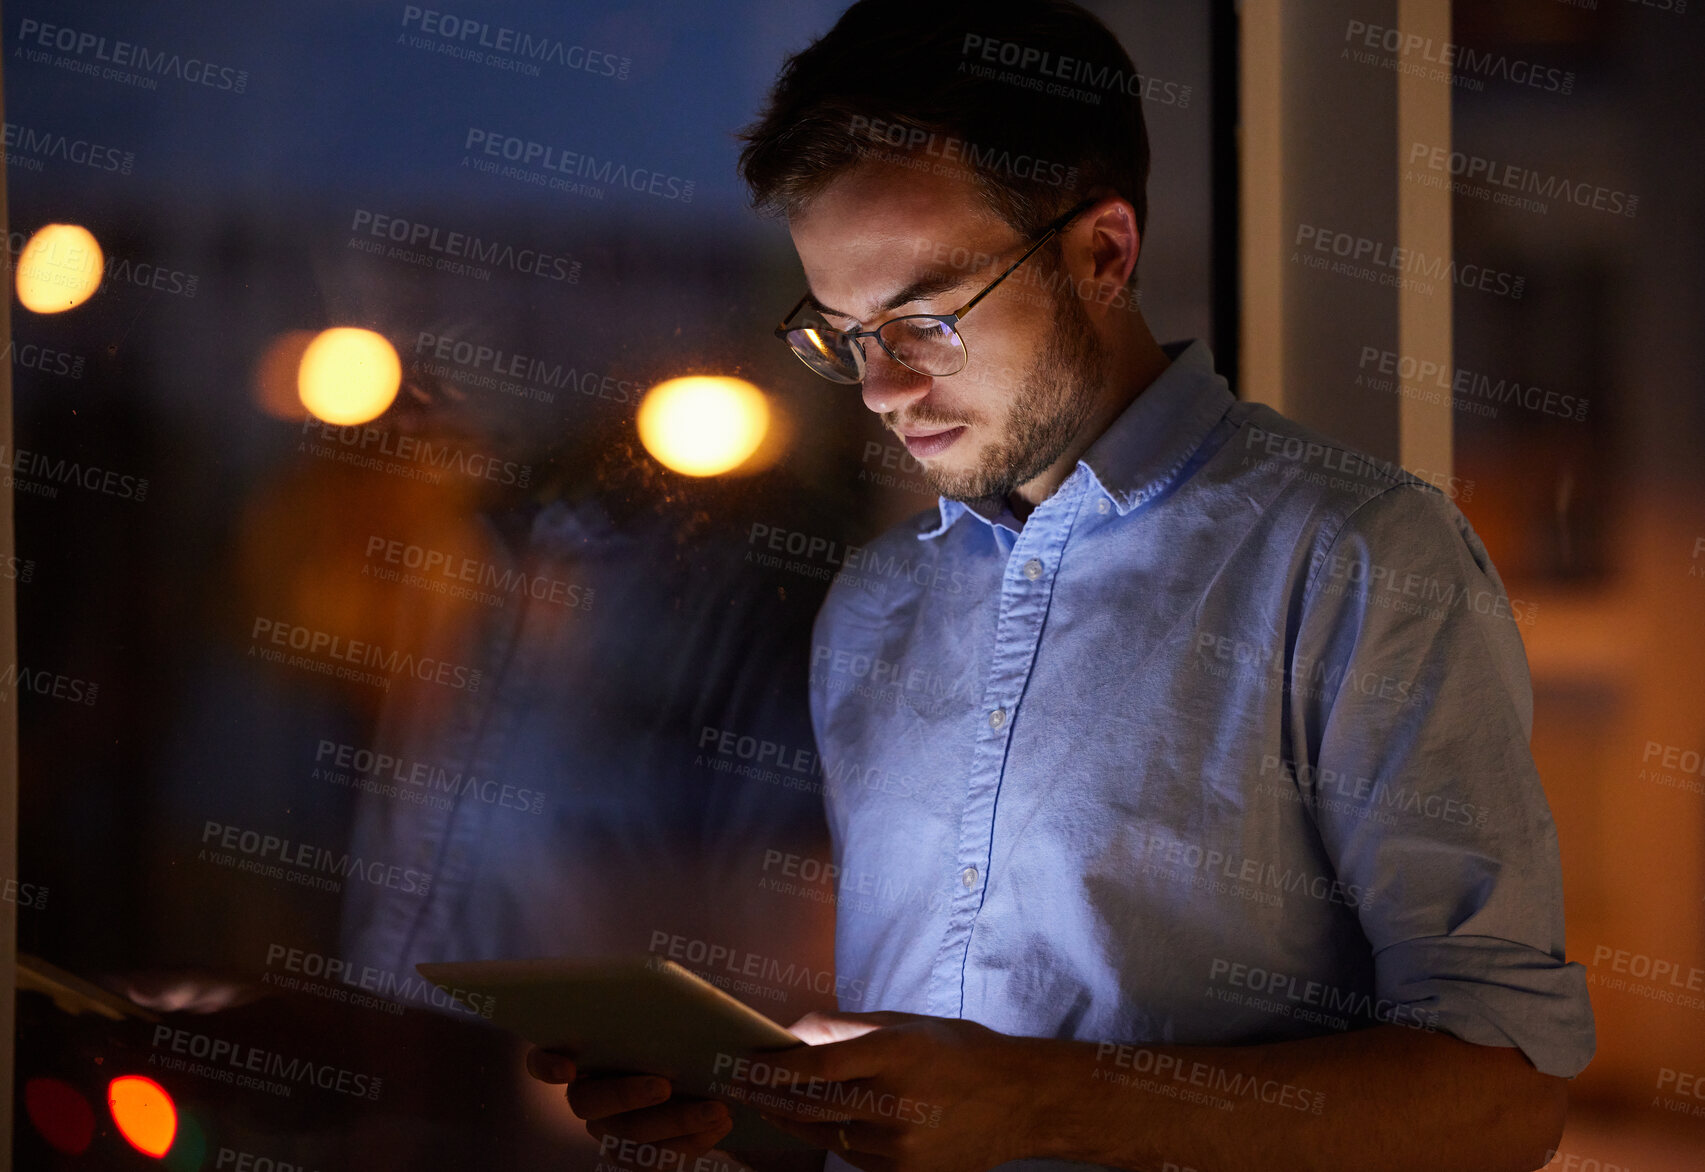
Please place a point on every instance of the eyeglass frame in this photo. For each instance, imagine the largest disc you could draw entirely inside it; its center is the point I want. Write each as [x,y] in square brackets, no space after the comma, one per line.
[950,320]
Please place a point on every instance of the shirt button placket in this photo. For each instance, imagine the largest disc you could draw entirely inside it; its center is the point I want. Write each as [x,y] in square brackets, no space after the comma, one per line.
[1025,590]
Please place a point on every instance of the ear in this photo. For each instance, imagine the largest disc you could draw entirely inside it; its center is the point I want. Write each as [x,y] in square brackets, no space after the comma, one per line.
[1104,244]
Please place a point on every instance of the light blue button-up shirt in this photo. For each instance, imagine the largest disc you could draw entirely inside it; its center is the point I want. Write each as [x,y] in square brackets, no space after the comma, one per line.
[1227,742]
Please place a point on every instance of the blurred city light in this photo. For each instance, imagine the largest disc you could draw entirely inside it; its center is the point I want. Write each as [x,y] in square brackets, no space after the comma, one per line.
[348,376]
[277,372]
[60,1113]
[144,1113]
[59,269]
[703,425]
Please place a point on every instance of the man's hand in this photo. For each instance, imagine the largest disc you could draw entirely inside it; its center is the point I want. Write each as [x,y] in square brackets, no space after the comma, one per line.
[900,1091]
[637,1108]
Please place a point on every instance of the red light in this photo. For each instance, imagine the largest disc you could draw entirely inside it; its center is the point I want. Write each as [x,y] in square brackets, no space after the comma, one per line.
[144,1113]
[60,1113]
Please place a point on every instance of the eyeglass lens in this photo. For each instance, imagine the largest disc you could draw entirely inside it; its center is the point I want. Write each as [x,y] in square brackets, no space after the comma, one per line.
[922,344]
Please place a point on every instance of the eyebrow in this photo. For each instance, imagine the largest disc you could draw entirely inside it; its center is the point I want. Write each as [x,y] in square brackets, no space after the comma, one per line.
[925,286]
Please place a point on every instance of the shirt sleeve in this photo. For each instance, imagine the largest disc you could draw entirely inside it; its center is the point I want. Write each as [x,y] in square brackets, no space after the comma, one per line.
[1409,731]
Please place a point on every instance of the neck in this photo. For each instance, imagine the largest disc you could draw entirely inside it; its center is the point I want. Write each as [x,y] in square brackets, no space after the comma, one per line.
[1136,360]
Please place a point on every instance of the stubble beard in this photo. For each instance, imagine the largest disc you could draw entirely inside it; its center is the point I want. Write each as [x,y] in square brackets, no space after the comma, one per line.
[1054,399]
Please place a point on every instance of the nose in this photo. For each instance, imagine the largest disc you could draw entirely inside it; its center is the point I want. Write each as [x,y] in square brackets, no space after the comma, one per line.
[888,386]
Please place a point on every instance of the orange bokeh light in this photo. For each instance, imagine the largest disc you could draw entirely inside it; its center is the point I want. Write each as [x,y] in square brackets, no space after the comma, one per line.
[144,1112]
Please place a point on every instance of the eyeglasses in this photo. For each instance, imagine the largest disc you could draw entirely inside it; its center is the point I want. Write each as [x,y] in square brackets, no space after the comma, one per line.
[928,343]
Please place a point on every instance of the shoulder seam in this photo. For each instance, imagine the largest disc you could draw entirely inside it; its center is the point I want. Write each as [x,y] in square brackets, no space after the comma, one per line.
[1338,533]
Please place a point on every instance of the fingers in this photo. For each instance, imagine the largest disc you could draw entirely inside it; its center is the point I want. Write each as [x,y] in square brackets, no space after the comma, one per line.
[635,1107]
[862,1056]
[599,1098]
[683,1123]
[548,1066]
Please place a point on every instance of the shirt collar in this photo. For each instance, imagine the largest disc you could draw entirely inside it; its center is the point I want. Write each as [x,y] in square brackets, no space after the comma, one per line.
[1143,450]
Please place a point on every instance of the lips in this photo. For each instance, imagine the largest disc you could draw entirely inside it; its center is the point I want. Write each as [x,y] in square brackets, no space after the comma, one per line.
[924,444]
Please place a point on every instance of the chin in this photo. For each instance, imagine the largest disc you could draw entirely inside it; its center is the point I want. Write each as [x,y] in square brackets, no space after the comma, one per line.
[946,478]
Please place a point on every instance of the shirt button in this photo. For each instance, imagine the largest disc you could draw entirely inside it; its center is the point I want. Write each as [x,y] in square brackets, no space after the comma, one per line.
[968,877]
[997,718]
[1101,506]
[1033,569]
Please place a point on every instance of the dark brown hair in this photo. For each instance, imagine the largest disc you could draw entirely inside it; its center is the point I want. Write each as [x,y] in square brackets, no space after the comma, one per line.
[1037,97]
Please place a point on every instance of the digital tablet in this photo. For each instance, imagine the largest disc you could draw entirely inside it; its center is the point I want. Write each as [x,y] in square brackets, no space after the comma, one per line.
[641,1015]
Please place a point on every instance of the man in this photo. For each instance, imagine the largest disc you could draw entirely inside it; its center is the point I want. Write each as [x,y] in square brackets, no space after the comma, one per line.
[1207,737]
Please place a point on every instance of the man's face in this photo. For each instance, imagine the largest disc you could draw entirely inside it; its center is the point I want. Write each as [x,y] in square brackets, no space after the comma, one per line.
[1035,364]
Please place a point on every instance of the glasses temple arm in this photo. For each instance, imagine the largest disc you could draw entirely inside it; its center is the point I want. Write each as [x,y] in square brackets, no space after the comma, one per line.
[990,287]
[781,328]
[1049,232]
